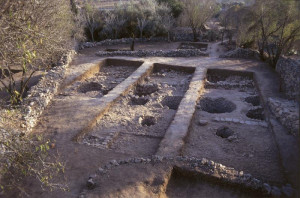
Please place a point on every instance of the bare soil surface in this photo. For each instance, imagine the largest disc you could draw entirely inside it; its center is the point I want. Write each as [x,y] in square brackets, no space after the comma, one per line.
[251,147]
[138,121]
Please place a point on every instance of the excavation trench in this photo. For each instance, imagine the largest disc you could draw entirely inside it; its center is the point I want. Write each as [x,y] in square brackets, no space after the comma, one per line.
[184,183]
[228,126]
[102,78]
[137,122]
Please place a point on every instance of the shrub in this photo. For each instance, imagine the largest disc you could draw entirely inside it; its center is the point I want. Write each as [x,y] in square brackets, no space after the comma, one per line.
[33,35]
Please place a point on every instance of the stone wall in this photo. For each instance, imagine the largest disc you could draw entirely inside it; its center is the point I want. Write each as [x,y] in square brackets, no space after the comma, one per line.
[158,53]
[119,41]
[287,112]
[241,53]
[289,71]
[40,95]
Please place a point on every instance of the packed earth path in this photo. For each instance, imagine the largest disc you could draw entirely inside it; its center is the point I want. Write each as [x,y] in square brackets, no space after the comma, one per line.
[129,127]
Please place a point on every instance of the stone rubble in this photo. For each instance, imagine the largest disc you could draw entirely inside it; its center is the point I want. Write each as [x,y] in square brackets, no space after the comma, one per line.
[287,112]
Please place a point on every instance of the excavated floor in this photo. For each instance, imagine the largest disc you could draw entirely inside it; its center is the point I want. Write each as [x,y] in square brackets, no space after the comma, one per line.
[137,122]
[229,128]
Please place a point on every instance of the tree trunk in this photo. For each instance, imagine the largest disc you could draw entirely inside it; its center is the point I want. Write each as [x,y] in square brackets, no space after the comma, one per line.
[223,36]
[195,34]
[132,44]
[92,35]
[169,37]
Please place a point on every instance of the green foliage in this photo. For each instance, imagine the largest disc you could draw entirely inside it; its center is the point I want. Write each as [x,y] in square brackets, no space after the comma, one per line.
[175,5]
[143,18]
[33,35]
[24,157]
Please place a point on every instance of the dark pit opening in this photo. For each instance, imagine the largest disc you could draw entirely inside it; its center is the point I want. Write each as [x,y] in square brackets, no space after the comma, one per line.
[218,105]
[224,132]
[172,102]
[254,100]
[139,101]
[148,121]
[257,114]
[91,86]
[146,89]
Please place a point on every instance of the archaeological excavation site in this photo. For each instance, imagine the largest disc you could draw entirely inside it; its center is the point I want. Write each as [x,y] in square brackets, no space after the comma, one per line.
[145,105]
[169,127]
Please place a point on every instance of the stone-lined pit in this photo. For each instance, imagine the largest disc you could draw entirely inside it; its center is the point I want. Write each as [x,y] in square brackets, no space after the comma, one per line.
[224,132]
[257,113]
[148,121]
[139,100]
[172,102]
[146,89]
[217,105]
[254,100]
[144,113]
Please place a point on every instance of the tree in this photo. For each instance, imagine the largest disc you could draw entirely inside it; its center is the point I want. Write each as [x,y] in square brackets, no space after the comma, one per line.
[175,5]
[92,18]
[276,30]
[33,35]
[196,13]
[166,19]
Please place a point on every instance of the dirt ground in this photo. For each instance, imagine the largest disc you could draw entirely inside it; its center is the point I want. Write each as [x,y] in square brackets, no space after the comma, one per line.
[136,123]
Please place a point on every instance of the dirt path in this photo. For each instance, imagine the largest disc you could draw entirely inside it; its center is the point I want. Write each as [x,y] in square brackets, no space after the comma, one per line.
[215,49]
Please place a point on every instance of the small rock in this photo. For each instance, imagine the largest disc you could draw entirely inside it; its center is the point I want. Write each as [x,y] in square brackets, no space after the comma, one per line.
[287,190]
[114,162]
[204,161]
[90,184]
[202,122]
[275,191]
[232,138]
